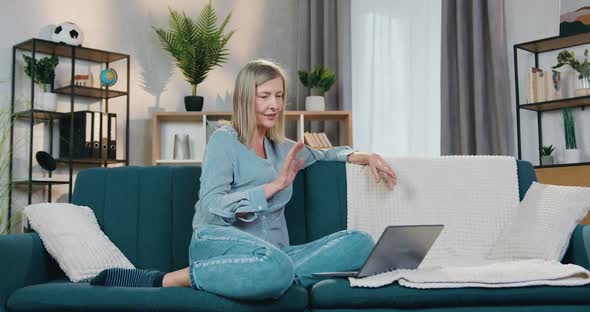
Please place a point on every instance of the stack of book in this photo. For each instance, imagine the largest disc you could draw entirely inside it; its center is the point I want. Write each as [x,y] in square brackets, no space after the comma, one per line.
[543,86]
[316,140]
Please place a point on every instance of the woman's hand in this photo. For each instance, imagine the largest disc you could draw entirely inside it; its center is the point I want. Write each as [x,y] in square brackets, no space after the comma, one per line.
[288,172]
[377,165]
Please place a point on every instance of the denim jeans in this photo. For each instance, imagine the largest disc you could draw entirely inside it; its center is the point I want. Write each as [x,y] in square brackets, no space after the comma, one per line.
[235,264]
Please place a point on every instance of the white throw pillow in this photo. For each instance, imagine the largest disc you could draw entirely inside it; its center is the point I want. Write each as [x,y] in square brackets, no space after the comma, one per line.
[72,236]
[543,224]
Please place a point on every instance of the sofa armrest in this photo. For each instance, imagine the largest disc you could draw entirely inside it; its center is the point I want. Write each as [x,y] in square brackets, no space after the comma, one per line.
[23,261]
[578,251]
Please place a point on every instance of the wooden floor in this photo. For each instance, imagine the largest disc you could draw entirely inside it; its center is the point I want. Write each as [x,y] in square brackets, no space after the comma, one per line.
[571,176]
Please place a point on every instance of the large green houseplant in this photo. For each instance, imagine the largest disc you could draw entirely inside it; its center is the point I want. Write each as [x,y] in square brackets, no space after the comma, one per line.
[6,119]
[197,46]
[5,122]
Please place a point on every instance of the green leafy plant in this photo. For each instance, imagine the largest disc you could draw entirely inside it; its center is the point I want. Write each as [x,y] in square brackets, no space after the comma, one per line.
[546,150]
[319,80]
[44,69]
[569,125]
[5,184]
[566,57]
[198,45]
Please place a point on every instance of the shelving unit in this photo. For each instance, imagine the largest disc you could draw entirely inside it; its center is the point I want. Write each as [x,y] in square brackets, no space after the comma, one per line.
[537,47]
[570,174]
[195,122]
[36,47]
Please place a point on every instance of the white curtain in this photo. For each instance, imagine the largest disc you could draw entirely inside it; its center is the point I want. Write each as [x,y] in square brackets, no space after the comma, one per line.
[396,76]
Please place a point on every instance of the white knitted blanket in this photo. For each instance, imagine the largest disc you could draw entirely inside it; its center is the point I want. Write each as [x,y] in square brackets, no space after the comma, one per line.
[496,275]
[473,196]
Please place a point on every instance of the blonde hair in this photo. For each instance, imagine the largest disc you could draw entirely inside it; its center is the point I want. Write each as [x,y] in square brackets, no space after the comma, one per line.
[249,78]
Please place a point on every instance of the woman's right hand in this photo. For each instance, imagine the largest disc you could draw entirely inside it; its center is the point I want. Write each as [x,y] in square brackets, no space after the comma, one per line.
[288,172]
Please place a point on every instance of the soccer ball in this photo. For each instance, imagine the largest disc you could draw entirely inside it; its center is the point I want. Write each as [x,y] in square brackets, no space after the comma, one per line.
[68,33]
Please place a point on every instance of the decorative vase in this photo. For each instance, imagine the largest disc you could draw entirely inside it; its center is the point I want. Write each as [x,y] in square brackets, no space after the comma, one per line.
[583,86]
[193,103]
[571,156]
[181,147]
[546,160]
[315,103]
[568,83]
[46,101]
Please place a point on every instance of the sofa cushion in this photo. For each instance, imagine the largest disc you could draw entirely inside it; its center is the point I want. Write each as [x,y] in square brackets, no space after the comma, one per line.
[66,296]
[145,211]
[337,293]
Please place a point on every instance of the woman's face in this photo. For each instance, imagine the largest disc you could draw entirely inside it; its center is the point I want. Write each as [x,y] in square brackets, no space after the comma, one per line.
[269,103]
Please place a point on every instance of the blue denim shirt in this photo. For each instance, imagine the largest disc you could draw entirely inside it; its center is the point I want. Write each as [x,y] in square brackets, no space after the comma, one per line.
[233,179]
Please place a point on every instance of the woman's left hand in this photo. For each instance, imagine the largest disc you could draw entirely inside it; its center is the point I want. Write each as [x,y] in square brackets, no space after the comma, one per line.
[377,165]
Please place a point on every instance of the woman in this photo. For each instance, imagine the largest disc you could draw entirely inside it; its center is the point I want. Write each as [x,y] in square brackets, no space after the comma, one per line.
[240,246]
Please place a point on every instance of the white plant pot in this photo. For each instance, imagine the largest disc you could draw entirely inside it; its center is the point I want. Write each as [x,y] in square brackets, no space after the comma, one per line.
[315,103]
[546,160]
[46,101]
[571,156]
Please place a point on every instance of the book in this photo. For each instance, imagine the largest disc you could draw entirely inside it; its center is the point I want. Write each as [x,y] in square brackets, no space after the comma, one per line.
[328,143]
[541,91]
[319,140]
[307,139]
[323,142]
[314,141]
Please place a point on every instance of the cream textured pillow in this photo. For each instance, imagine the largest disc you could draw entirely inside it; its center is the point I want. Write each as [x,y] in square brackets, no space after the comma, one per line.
[72,236]
[543,224]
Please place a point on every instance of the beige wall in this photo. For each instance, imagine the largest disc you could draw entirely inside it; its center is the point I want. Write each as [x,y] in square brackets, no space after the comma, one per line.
[265,29]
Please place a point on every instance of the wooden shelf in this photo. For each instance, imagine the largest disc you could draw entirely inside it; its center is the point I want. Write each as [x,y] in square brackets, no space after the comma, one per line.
[65,50]
[343,117]
[91,161]
[38,114]
[90,92]
[328,115]
[39,181]
[581,101]
[555,43]
[189,116]
[563,165]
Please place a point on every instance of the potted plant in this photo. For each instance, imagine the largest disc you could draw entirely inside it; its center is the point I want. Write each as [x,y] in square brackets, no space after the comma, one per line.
[546,157]
[582,85]
[44,75]
[319,80]
[572,153]
[6,121]
[197,46]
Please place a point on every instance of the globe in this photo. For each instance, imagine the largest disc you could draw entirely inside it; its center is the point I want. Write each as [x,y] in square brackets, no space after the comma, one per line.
[108,77]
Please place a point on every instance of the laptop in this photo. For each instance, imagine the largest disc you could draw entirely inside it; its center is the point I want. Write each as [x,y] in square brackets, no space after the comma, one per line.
[399,247]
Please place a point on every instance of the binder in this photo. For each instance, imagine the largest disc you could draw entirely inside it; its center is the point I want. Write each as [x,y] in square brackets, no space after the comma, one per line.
[96,135]
[82,135]
[104,135]
[112,146]
[88,120]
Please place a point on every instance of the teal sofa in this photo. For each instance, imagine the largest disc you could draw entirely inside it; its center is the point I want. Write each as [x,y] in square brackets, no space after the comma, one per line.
[147,212]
